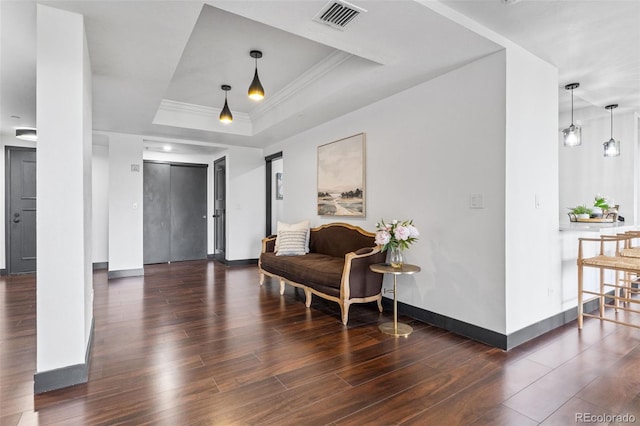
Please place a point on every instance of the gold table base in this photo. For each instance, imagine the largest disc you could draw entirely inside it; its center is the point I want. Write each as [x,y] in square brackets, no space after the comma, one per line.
[396,329]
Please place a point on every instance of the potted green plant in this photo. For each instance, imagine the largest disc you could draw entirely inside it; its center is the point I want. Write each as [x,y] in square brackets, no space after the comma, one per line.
[600,205]
[581,212]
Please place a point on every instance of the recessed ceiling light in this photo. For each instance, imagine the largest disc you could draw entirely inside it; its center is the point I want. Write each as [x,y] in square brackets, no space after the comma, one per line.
[27,134]
[166,148]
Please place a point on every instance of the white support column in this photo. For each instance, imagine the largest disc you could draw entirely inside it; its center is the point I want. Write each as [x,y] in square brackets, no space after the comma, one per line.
[64,278]
[125,206]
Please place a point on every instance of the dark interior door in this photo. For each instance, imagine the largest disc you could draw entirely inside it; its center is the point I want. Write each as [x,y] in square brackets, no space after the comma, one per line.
[219,195]
[188,212]
[174,212]
[270,217]
[21,210]
[156,212]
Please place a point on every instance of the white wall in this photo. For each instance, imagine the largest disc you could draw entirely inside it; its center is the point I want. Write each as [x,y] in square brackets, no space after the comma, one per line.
[245,227]
[125,202]
[584,171]
[123,224]
[532,245]
[636,169]
[64,308]
[427,149]
[100,206]
[87,128]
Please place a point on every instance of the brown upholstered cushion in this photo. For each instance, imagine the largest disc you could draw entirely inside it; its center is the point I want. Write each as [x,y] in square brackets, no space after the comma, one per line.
[364,250]
[312,269]
[337,241]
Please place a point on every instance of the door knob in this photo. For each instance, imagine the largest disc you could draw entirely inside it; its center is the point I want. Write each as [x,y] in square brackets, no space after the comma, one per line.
[16,218]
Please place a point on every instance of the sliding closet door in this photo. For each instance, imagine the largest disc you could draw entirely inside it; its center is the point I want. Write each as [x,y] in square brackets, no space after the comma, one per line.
[156,213]
[188,212]
[175,212]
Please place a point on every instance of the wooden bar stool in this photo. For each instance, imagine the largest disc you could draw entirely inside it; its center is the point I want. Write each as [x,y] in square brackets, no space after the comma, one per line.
[608,258]
[631,249]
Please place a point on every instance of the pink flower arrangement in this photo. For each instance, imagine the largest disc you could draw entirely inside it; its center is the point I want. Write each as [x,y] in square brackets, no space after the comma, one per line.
[397,234]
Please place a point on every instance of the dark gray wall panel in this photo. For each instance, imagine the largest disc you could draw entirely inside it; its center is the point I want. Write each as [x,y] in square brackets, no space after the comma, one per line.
[156,213]
[188,213]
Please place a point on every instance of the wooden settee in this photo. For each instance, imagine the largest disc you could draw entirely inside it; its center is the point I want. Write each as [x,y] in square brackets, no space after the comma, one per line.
[336,267]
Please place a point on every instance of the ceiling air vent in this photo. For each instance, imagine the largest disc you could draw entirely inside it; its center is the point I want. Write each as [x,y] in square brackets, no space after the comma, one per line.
[338,14]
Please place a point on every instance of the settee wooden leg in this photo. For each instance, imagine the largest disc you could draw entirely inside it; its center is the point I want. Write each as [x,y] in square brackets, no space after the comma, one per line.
[281,287]
[308,295]
[379,303]
[344,307]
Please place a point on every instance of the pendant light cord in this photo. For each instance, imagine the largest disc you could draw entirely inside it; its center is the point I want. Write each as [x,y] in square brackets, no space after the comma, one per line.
[611,110]
[572,107]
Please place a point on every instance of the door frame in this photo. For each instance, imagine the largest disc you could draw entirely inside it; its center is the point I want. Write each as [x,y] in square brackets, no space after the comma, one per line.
[219,256]
[182,164]
[7,204]
[269,182]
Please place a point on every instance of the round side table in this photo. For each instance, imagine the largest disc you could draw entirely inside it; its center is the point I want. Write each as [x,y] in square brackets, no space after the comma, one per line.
[394,328]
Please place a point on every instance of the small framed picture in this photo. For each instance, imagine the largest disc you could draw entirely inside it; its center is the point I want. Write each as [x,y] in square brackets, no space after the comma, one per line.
[279,192]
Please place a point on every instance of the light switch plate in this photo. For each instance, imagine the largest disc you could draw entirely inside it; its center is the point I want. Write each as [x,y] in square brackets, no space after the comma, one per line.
[476,201]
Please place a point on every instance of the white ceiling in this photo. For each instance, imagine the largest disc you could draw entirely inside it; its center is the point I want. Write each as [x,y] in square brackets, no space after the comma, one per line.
[218,53]
[595,43]
[158,65]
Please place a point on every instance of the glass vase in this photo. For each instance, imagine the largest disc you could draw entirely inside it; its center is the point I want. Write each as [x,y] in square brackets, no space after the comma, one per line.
[395,257]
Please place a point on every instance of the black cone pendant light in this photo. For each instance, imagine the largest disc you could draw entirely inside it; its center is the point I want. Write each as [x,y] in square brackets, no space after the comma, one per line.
[572,134]
[225,114]
[612,146]
[256,91]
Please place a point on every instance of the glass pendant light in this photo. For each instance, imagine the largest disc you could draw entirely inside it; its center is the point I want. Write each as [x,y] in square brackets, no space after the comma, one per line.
[225,114]
[612,146]
[572,134]
[256,91]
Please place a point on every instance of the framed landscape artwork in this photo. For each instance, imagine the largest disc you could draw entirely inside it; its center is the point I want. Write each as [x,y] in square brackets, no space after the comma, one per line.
[341,177]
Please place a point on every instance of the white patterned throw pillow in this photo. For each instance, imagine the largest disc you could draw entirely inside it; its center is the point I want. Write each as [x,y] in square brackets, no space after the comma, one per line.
[291,243]
[304,225]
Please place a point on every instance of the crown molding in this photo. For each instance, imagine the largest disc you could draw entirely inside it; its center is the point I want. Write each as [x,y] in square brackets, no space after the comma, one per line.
[183,107]
[191,116]
[325,66]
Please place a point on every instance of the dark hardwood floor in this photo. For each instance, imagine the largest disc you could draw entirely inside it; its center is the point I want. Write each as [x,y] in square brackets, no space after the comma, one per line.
[200,343]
